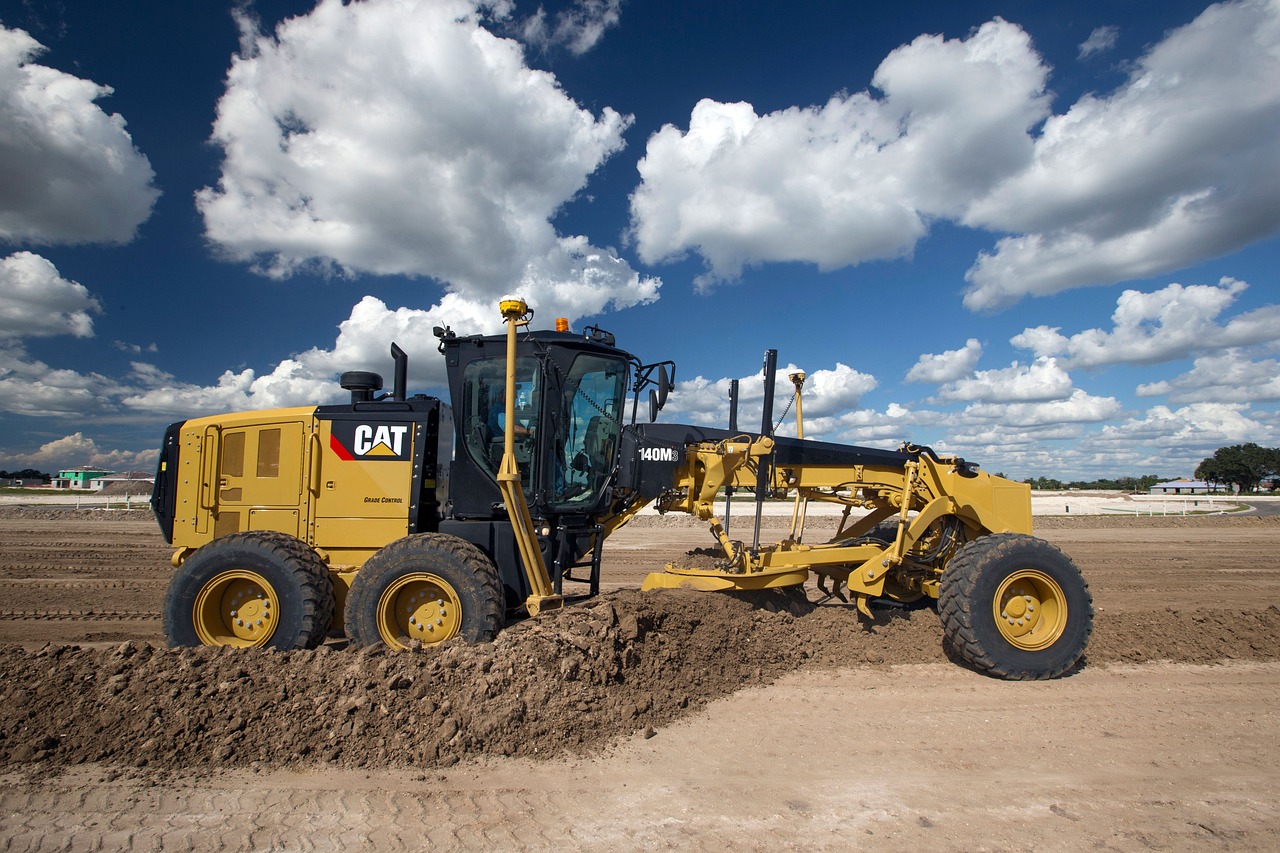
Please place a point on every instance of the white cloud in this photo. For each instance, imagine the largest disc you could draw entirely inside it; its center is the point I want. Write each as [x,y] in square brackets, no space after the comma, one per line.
[311,377]
[396,137]
[36,301]
[578,28]
[1177,165]
[1173,322]
[946,366]
[31,387]
[1227,377]
[849,181]
[69,171]
[1195,431]
[1100,40]
[827,393]
[1078,407]
[136,349]
[77,449]
[1042,380]
[875,428]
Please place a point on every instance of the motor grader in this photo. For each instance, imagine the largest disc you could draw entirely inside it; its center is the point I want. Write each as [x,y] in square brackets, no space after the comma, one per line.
[407,521]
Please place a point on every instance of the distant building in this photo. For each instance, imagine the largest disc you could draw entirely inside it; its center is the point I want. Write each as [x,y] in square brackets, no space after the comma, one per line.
[1185,487]
[80,478]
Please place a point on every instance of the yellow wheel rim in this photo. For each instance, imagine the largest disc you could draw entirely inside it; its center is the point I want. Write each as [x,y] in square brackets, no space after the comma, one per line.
[236,608]
[1030,610]
[419,606]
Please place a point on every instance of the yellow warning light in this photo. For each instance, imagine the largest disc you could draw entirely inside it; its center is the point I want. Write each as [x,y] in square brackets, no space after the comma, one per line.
[562,324]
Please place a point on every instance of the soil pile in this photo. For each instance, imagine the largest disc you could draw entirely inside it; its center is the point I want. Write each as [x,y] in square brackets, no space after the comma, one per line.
[573,680]
[73,514]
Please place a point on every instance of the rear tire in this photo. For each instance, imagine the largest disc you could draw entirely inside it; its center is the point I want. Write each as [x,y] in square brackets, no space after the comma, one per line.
[257,589]
[428,587]
[1015,607]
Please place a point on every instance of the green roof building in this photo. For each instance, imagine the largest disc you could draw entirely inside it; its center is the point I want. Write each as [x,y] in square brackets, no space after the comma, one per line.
[79,478]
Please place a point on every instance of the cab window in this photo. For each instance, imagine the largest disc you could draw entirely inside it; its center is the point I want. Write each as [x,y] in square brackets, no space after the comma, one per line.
[483,386]
[591,408]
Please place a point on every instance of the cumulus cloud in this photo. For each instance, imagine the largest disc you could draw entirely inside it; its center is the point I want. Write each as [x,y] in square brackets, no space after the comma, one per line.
[1078,407]
[1042,380]
[1100,40]
[1177,165]
[136,349]
[78,449]
[946,366]
[827,393]
[363,343]
[1173,322]
[578,28]
[396,137]
[69,171]
[30,387]
[852,180]
[35,301]
[1226,377]
[1195,430]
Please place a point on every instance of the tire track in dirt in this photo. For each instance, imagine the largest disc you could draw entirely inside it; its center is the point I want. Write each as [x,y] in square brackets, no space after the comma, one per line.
[571,681]
[567,681]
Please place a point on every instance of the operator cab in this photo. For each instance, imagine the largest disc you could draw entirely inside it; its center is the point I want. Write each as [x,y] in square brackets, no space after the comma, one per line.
[568,415]
[570,404]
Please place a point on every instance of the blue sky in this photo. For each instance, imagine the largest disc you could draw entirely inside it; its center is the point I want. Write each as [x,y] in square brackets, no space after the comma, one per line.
[1041,235]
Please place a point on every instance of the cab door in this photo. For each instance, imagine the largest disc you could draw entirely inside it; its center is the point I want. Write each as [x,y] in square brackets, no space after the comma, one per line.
[259,479]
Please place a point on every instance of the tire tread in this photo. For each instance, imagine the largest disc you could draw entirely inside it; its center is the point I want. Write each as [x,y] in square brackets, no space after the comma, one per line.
[307,570]
[956,603]
[477,570]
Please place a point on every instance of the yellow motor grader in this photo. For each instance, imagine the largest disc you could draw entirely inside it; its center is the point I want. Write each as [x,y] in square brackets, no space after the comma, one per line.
[407,521]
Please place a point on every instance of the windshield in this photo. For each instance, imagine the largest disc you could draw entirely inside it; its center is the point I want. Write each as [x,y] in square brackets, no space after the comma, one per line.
[591,407]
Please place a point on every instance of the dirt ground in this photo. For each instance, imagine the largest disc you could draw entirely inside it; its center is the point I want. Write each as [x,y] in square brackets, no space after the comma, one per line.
[646,721]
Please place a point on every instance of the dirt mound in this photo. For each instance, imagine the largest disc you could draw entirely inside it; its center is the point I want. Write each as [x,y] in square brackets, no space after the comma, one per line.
[572,680]
[69,513]
[130,488]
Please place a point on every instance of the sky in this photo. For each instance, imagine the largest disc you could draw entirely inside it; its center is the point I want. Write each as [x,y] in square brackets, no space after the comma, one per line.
[1041,235]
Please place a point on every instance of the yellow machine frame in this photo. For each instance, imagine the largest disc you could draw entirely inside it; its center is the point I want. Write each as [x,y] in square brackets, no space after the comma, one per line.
[917,496]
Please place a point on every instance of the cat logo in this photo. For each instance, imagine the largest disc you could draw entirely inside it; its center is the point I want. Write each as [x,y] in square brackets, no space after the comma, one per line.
[373,442]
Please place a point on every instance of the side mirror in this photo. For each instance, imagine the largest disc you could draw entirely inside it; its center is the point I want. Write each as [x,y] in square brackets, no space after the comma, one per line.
[654,405]
[664,385]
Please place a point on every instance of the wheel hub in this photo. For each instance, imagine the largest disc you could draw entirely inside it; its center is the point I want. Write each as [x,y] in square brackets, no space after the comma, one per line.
[1030,610]
[236,608]
[419,606]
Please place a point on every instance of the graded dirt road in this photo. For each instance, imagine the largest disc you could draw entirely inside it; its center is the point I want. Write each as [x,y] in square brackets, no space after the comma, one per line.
[647,721]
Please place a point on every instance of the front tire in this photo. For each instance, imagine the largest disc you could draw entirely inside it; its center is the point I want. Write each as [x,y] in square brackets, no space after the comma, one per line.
[428,587]
[257,589]
[1015,607]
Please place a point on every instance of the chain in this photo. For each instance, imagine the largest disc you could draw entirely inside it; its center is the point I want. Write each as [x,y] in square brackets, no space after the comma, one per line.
[784,411]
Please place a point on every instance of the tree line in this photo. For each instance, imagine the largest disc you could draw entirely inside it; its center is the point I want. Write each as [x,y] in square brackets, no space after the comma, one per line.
[1120,484]
[25,474]
[1244,466]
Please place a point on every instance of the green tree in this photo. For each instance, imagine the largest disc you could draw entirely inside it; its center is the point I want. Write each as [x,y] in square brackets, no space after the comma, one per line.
[1244,466]
[25,474]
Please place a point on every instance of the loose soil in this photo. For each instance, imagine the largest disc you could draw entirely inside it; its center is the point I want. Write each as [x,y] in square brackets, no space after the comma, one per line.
[685,719]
